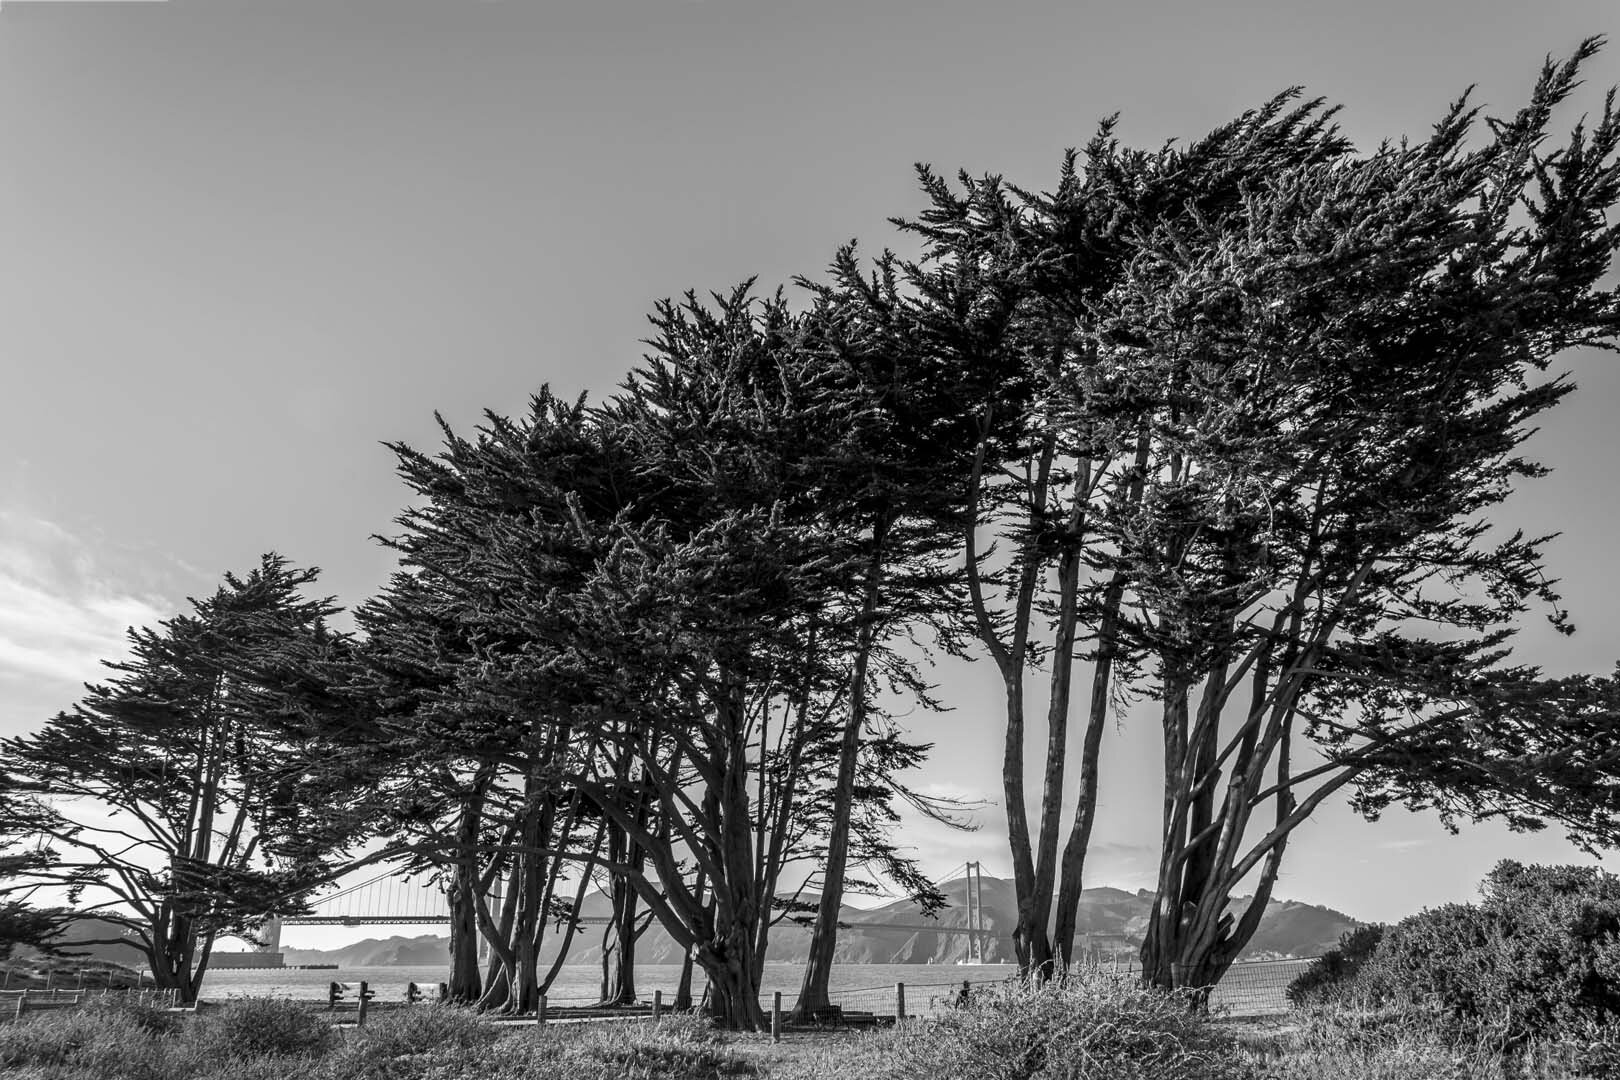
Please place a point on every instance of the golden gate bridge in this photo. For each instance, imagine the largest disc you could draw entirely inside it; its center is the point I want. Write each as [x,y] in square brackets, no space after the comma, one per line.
[395,899]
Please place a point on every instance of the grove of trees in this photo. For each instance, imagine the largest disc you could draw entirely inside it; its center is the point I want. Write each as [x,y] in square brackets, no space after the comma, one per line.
[1209,436]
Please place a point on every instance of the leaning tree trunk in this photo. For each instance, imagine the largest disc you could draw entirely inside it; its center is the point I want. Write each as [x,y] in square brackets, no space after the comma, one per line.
[619,957]
[1031,942]
[502,960]
[1192,937]
[683,991]
[1085,811]
[813,991]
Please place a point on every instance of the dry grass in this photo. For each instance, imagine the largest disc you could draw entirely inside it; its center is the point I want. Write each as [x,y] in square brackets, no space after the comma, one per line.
[1092,1029]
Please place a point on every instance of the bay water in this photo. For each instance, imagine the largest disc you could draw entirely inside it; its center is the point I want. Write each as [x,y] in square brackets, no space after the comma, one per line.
[581,984]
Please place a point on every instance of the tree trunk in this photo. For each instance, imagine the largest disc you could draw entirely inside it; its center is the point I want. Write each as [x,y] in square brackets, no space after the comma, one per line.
[813,997]
[618,937]
[1042,961]
[466,982]
[573,915]
[683,991]
[498,986]
[179,957]
[1085,812]
[1030,943]
[733,990]
[729,956]
[1162,944]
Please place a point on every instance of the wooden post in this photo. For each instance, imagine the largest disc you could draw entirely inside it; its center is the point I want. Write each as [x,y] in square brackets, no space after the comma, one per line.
[540,1011]
[899,1001]
[776,1017]
[658,1005]
[360,1017]
[22,1003]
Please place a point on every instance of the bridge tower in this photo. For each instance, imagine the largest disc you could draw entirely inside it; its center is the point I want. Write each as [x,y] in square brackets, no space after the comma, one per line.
[270,934]
[975,913]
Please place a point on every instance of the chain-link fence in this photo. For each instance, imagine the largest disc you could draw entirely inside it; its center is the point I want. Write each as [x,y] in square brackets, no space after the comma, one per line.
[1249,988]
[1257,987]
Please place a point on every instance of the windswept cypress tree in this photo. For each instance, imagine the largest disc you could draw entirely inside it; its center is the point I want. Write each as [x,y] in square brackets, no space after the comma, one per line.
[807,421]
[1338,378]
[22,851]
[162,791]
[1243,408]
[475,641]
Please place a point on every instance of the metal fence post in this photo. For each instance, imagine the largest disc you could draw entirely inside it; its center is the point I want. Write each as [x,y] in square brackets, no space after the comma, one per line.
[776,1017]
[899,1001]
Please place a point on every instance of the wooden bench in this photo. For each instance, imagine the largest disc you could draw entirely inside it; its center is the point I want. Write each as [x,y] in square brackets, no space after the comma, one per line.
[35,1000]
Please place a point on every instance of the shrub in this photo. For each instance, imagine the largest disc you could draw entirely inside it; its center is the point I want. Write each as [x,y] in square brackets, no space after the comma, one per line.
[1345,1040]
[131,1011]
[421,1030]
[435,1032]
[1093,1026]
[259,1027]
[89,1042]
[1537,958]
[677,1047]
[1331,971]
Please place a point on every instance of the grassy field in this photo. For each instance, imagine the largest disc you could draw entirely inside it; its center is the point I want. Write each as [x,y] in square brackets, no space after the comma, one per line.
[1097,1029]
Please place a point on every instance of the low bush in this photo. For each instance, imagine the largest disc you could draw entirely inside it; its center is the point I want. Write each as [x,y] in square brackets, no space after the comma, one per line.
[92,1041]
[421,1030]
[1092,1026]
[1335,968]
[675,1049]
[1347,1037]
[259,1027]
[386,1046]
[1537,959]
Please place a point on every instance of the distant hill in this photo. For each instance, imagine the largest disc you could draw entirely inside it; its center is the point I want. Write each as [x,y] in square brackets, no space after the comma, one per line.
[81,930]
[372,952]
[899,933]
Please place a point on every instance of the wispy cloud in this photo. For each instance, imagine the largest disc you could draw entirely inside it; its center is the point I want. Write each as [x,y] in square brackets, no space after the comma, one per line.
[1404,845]
[65,605]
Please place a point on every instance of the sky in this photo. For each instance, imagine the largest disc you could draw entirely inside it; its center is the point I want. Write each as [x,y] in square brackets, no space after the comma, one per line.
[242,245]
